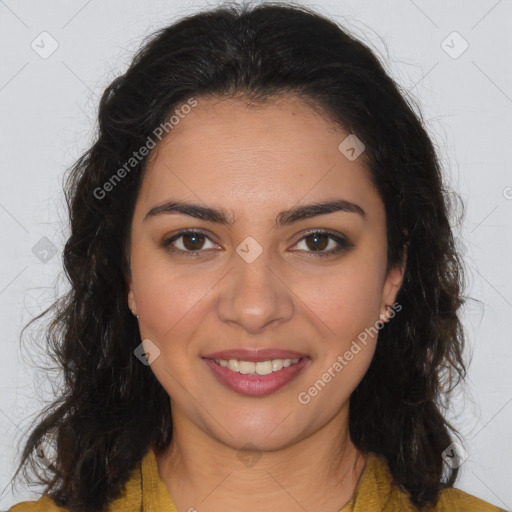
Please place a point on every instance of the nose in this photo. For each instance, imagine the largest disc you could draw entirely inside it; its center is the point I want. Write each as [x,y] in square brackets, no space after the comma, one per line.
[254,295]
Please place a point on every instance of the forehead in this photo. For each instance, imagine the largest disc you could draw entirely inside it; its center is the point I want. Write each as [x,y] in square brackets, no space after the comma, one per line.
[283,124]
[267,153]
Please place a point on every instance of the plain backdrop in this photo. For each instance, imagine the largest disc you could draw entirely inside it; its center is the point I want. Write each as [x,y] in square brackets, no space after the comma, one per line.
[452,56]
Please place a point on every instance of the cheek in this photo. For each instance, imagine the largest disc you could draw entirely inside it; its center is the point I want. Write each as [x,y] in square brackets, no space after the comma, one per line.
[169,303]
[171,311]
[348,306]
[163,296]
[348,299]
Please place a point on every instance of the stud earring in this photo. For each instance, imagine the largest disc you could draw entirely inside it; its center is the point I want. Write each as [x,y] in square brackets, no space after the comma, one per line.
[385,315]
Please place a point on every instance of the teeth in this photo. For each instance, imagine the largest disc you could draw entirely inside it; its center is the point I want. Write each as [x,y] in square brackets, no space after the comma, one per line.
[256,368]
[244,367]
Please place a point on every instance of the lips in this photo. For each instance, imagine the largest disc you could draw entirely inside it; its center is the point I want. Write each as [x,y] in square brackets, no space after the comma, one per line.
[255,355]
[256,385]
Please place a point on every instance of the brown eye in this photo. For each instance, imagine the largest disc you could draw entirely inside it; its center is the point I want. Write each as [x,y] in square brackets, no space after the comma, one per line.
[193,241]
[318,241]
[188,243]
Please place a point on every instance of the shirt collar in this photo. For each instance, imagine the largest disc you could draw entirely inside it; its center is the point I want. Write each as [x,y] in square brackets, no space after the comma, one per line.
[375,489]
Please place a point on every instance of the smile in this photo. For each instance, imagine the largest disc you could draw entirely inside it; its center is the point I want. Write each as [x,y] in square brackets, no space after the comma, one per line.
[258,367]
[256,378]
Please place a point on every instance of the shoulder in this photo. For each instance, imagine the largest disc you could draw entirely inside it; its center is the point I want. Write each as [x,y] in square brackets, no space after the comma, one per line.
[377,487]
[128,499]
[456,500]
[43,504]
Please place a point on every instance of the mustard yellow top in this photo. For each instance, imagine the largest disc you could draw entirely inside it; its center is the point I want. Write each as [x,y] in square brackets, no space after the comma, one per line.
[374,492]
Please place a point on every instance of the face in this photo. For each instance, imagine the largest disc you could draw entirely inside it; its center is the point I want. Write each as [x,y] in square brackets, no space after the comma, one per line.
[258,279]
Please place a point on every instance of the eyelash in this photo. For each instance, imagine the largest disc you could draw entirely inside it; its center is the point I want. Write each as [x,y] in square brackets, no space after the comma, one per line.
[343,243]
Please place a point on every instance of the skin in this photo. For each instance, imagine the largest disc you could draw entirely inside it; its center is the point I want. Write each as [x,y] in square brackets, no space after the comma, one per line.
[256,162]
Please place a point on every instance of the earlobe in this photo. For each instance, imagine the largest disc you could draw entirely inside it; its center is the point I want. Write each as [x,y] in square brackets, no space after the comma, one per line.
[132,304]
[393,283]
[131,300]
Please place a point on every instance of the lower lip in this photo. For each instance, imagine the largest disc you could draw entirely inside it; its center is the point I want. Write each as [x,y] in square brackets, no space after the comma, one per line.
[256,385]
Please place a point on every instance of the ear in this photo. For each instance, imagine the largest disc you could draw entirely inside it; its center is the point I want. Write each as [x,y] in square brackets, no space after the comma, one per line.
[132,304]
[393,283]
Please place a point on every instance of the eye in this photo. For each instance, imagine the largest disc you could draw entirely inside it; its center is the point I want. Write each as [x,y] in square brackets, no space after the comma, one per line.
[320,240]
[190,245]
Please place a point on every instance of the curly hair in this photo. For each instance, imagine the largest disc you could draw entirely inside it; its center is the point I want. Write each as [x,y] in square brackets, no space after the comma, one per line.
[111,408]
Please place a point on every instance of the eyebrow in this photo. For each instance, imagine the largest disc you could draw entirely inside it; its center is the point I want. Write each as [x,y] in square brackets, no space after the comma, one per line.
[285,218]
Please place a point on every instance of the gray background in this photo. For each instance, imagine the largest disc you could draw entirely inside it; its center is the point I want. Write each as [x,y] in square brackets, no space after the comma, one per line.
[48,105]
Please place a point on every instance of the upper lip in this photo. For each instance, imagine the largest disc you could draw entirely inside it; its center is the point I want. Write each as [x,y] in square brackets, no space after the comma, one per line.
[254,355]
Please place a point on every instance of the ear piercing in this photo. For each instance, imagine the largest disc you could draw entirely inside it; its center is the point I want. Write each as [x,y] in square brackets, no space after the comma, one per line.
[385,315]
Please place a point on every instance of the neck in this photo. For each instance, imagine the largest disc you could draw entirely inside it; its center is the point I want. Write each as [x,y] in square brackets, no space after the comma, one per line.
[318,473]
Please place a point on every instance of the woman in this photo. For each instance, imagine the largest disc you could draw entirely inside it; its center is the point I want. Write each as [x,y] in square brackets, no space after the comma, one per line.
[265,286]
